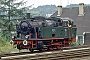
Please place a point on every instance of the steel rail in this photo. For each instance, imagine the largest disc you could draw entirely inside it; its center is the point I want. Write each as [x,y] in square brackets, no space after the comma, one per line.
[53,55]
[65,54]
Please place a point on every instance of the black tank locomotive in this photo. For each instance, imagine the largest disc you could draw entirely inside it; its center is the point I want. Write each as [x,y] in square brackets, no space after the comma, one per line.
[44,33]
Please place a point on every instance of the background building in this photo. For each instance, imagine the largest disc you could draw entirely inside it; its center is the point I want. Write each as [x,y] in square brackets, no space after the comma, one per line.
[81,16]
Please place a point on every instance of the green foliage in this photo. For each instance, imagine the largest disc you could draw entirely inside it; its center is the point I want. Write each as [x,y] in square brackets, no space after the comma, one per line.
[50,9]
[11,11]
[75,44]
[5,45]
[7,48]
[6,34]
[2,41]
[43,10]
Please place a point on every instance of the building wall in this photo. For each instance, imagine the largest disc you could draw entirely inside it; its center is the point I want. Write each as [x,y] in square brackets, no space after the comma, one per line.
[83,39]
[87,38]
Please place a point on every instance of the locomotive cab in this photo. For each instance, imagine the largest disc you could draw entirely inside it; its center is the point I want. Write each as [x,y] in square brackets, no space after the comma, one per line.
[67,22]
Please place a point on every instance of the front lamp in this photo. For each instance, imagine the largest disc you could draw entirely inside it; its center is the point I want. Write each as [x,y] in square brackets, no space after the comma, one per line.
[11,42]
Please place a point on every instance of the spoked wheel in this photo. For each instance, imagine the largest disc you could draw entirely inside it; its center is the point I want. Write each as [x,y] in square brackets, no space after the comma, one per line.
[41,49]
[47,48]
[58,47]
[20,50]
[31,50]
[19,47]
[51,48]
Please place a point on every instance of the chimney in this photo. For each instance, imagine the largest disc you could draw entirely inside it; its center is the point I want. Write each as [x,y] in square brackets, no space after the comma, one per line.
[81,9]
[59,10]
[28,15]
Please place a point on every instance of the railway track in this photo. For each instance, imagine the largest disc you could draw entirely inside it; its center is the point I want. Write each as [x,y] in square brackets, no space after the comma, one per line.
[53,55]
[75,47]
[11,54]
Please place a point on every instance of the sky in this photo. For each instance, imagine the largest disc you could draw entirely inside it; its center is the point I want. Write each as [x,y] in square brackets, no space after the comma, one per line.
[36,3]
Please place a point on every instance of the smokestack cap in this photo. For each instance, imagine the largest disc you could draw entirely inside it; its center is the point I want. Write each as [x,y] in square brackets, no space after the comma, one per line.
[60,6]
[81,3]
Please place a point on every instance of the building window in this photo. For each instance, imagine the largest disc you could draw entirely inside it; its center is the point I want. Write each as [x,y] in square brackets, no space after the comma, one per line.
[80,39]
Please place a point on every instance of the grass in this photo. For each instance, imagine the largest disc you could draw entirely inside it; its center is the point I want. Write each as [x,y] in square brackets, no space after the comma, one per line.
[7,48]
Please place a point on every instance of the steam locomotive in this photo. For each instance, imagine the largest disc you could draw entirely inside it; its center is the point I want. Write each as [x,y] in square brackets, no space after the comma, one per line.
[40,33]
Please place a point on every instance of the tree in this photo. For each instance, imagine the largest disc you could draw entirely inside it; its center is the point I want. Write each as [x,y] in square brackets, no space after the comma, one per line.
[11,10]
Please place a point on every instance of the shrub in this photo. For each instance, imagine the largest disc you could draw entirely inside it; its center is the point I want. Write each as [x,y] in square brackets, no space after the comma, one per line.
[5,45]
